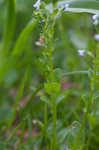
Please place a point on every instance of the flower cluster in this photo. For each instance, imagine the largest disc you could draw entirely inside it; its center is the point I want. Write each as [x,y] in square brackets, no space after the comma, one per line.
[63,8]
[66,7]
[37,5]
[95,19]
[96,22]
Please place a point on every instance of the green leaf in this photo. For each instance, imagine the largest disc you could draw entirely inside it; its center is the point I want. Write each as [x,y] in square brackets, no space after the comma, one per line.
[88,6]
[58,74]
[69,133]
[92,120]
[96,95]
[44,99]
[14,132]
[21,42]
[10,24]
[18,49]
[8,36]
[52,87]
[75,73]
[20,94]
[62,97]
[31,105]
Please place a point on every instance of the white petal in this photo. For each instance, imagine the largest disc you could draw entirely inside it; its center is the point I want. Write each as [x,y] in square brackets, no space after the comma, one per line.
[95,17]
[81,52]
[66,7]
[96,37]
[96,22]
[37,43]
[37,4]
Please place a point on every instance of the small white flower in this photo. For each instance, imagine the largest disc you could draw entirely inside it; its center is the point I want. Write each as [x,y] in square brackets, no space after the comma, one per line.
[37,43]
[66,7]
[95,17]
[40,42]
[37,5]
[35,122]
[50,8]
[81,52]
[96,22]
[66,148]
[96,37]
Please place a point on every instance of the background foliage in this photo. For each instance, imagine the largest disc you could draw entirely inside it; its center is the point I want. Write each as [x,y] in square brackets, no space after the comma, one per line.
[32,78]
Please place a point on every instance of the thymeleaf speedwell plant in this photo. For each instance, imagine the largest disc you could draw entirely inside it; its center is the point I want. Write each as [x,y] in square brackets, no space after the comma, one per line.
[47,20]
[55,60]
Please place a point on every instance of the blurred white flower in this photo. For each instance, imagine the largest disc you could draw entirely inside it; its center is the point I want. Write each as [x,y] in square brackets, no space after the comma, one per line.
[66,7]
[66,148]
[37,43]
[37,4]
[81,52]
[96,37]
[50,8]
[95,19]
[96,22]
[40,42]
[35,122]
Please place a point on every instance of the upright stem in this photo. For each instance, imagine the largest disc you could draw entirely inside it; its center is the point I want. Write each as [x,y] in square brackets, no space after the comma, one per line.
[53,95]
[45,119]
[54,121]
[93,88]
[48,30]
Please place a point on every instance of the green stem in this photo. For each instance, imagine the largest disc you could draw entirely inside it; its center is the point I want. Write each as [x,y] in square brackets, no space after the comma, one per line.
[93,88]
[54,121]
[75,73]
[48,58]
[13,133]
[45,120]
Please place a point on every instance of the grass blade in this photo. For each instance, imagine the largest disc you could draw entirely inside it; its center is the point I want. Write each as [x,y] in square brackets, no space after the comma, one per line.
[21,89]
[8,36]
[10,24]
[75,73]
[20,44]
[88,6]
[14,132]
